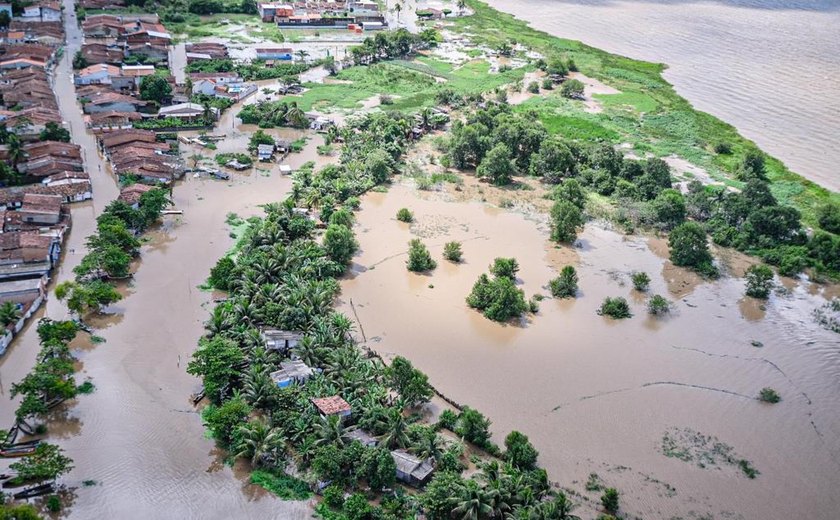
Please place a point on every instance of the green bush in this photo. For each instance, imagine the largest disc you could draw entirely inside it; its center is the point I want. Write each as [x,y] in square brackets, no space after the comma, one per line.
[504,268]
[334,496]
[404,215]
[658,305]
[768,395]
[572,89]
[616,308]
[534,87]
[610,500]
[641,281]
[452,252]
[419,259]
[759,281]
[565,285]
[499,299]
[447,419]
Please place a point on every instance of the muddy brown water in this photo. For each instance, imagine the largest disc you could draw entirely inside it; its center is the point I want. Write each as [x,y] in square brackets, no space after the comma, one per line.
[597,395]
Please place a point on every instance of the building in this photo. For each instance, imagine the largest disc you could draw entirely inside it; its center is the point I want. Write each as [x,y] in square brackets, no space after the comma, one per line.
[284,54]
[335,405]
[131,194]
[411,470]
[271,10]
[40,209]
[186,111]
[265,152]
[280,340]
[98,74]
[292,372]
[50,12]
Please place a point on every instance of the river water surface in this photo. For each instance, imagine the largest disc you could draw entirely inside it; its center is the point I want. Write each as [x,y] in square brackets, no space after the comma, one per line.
[771,68]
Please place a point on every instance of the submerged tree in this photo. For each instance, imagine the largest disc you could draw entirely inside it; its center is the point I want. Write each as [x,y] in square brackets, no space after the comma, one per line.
[419,259]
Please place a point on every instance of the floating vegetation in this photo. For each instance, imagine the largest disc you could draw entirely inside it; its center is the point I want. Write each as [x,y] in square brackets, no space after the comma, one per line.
[828,315]
[706,451]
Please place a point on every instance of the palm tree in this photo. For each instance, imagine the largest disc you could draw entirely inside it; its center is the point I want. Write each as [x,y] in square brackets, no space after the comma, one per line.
[329,430]
[260,443]
[398,9]
[302,55]
[473,503]
[9,313]
[428,446]
[207,112]
[462,4]
[16,154]
[259,389]
[394,425]
[295,116]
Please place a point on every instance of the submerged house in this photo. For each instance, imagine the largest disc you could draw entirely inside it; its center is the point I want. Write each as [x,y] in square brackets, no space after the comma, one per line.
[411,470]
[333,405]
[281,340]
[265,152]
[292,372]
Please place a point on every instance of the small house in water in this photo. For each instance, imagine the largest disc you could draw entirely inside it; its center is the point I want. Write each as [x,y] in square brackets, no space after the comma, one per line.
[281,340]
[292,372]
[265,151]
[411,470]
[334,405]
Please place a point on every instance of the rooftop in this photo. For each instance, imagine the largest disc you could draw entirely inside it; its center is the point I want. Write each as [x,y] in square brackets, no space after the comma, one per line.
[331,405]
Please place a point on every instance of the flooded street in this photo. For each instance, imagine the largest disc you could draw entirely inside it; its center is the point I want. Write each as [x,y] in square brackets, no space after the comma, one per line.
[761,65]
[596,395]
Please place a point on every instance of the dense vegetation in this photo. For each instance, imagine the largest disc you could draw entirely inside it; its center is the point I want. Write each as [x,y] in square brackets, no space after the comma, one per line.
[498,298]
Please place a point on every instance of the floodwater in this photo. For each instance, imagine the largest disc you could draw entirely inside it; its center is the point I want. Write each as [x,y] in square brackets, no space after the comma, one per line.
[596,395]
[769,67]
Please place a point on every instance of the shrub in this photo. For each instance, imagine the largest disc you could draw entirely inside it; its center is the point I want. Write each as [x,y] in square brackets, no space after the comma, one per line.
[723,148]
[547,84]
[473,427]
[340,244]
[610,500]
[565,285]
[404,215]
[447,419]
[499,299]
[768,395]
[534,87]
[689,247]
[616,308]
[641,281]
[828,216]
[385,99]
[566,218]
[452,251]
[759,281]
[505,268]
[419,259]
[572,89]
[658,305]
[53,504]
[334,497]
[519,451]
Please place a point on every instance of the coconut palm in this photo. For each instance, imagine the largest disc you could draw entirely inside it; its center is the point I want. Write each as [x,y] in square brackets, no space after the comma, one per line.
[260,443]
[295,116]
[9,313]
[473,503]
[16,153]
[394,425]
[329,430]
[259,390]
[302,55]
[428,445]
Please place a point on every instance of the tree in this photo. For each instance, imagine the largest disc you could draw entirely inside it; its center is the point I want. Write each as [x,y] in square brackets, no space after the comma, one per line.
[497,165]
[669,208]
[83,298]
[519,451]
[5,19]
[16,153]
[439,497]
[473,503]
[473,426]
[155,88]
[378,468]
[640,280]
[19,512]
[616,308]
[553,162]
[452,252]
[405,215]
[340,244]
[498,299]
[566,218]
[688,246]
[260,443]
[572,89]
[658,305]
[752,166]
[218,362]
[565,285]
[610,500]
[828,216]
[225,420]
[48,462]
[379,165]
[54,132]
[9,313]
[222,274]
[759,281]
[419,259]
[257,138]
[504,268]
[411,384]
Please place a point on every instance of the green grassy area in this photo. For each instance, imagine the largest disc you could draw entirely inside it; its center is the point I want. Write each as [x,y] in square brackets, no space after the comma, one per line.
[282,485]
[648,113]
[228,26]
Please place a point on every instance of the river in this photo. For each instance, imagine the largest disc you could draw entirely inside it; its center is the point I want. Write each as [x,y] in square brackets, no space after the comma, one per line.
[771,68]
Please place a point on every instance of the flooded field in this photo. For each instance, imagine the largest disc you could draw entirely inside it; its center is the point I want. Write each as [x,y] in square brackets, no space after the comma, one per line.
[601,396]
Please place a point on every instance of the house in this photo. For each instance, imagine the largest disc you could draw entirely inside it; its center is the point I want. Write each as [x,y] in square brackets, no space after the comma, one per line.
[285,54]
[109,120]
[334,405]
[269,11]
[22,291]
[98,74]
[367,440]
[292,372]
[131,194]
[32,12]
[21,63]
[265,152]
[137,71]
[281,340]
[214,51]
[204,86]
[186,111]
[411,470]
[152,52]
[68,177]
[40,209]
[13,37]
[102,53]
[17,247]
[50,12]
[107,101]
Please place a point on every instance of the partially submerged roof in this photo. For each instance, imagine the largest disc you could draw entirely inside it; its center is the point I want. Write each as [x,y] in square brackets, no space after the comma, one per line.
[410,465]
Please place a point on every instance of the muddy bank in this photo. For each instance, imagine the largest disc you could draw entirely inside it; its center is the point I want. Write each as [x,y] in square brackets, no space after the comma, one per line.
[597,395]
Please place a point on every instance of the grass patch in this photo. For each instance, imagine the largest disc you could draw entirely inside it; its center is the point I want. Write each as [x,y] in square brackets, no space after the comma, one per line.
[282,485]
[86,388]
